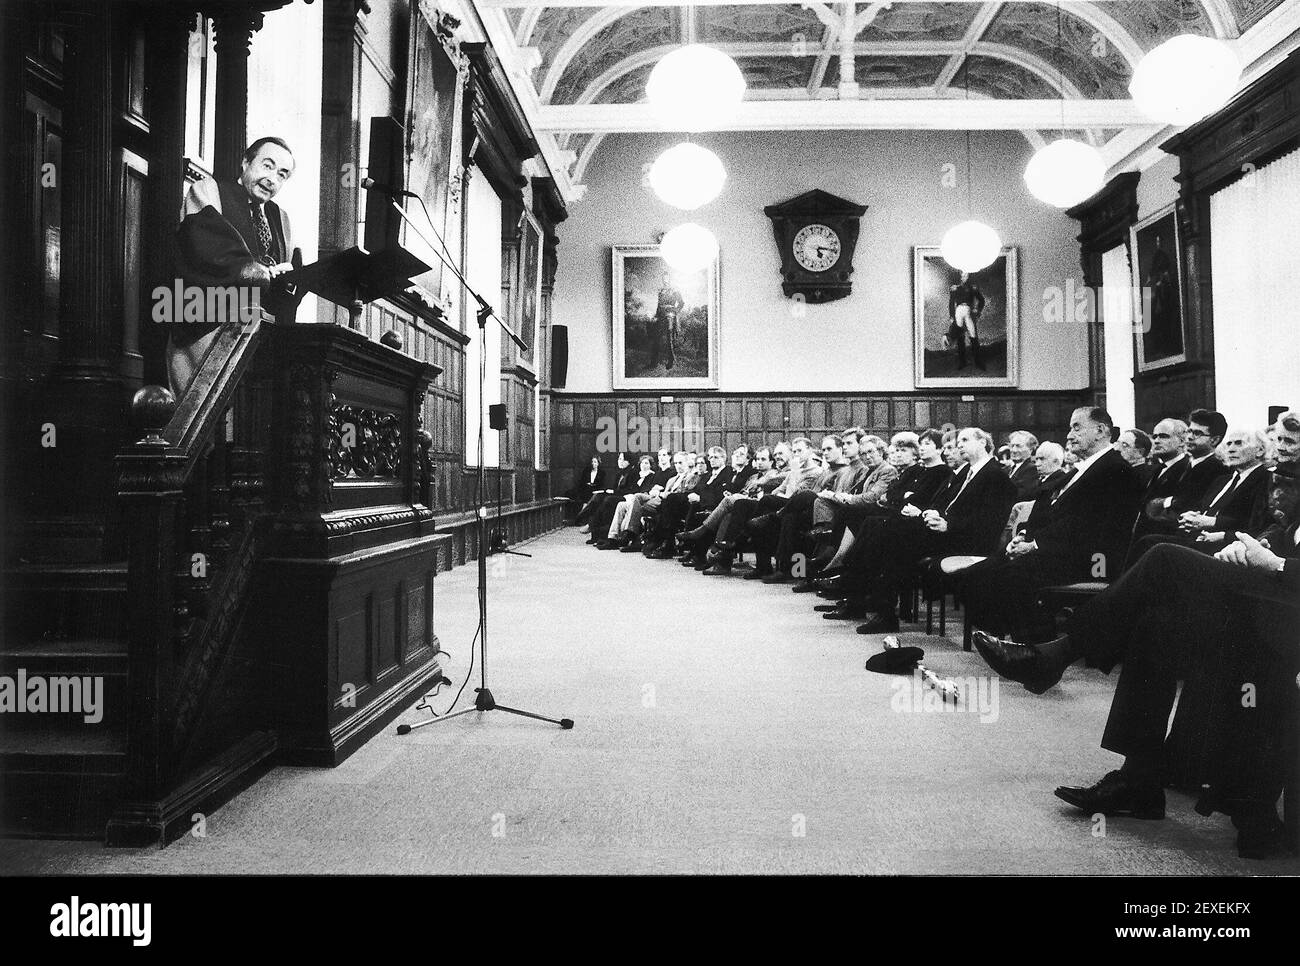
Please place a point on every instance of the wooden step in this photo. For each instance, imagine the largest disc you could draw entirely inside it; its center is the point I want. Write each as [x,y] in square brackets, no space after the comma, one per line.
[103,662]
[52,602]
[60,786]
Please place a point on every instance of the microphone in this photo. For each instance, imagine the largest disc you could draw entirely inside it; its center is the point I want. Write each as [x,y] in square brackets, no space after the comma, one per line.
[370,184]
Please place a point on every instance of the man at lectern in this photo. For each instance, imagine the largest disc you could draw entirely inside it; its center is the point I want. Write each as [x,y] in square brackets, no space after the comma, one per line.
[231,236]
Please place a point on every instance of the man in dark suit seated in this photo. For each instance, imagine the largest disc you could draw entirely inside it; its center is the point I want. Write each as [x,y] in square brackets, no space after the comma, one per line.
[841,465]
[1022,473]
[1082,534]
[1135,446]
[1235,501]
[1205,431]
[705,494]
[1226,625]
[743,469]
[1169,464]
[966,518]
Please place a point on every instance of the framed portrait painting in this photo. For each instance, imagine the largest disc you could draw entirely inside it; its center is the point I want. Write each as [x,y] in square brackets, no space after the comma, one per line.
[433,109]
[966,328]
[530,288]
[665,322]
[1155,257]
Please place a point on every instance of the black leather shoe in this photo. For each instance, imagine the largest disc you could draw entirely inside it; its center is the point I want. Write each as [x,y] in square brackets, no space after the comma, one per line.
[718,569]
[632,546]
[777,577]
[758,573]
[821,530]
[829,608]
[1017,662]
[1115,794]
[804,587]
[848,612]
[1261,836]
[664,553]
[878,624]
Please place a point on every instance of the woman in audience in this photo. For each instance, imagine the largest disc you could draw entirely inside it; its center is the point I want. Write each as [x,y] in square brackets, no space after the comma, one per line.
[580,494]
[597,514]
[598,496]
[647,479]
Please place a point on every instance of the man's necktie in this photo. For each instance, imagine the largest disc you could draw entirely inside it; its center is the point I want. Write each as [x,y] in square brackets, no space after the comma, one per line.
[1227,491]
[263,228]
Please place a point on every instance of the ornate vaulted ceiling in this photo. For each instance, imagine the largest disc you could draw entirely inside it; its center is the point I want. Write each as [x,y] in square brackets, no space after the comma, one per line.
[586,62]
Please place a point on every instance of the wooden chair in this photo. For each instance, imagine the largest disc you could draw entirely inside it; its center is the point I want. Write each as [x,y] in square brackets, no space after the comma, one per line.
[935,577]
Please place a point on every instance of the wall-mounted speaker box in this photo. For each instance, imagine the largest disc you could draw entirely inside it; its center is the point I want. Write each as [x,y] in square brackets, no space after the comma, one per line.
[384,165]
[497,416]
[559,356]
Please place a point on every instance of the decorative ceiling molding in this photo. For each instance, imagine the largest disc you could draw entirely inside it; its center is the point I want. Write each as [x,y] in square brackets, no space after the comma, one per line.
[580,65]
[936,114]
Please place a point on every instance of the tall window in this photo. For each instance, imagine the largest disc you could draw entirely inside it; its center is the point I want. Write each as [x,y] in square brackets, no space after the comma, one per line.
[483,271]
[201,95]
[1255,259]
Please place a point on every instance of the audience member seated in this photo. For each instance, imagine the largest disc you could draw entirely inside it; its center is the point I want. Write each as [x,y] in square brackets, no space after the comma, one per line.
[1225,625]
[1082,534]
[703,497]
[653,540]
[623,478]
[1162,509]
[965,518]
[780,535]
[1236,501]
[1022,472]
[682,470]
[695,543]
[1135,446]
[580,493]
[834,512]
[636,480]
[749,521]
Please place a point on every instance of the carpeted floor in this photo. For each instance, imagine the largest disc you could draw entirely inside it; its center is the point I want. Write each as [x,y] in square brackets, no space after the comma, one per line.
[721,727]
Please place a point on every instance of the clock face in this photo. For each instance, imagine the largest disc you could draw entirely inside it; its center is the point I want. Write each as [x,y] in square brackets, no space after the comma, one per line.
[816,247]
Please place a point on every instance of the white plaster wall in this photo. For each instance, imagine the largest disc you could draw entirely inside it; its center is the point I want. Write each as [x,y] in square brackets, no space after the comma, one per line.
[861,343]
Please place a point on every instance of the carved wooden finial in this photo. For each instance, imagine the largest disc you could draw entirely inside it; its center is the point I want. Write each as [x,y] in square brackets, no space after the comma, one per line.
[152,408]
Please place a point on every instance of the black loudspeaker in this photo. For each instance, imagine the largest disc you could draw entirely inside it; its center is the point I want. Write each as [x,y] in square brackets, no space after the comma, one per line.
[384,166]
[497,416]
[559,355]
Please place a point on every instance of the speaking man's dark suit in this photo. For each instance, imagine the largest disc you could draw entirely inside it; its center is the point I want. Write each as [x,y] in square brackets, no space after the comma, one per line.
[1082,535]
[1025,478]
[1219,627]
[975,512]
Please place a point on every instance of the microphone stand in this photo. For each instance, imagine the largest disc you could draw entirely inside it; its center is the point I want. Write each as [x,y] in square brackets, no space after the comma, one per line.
[483,701]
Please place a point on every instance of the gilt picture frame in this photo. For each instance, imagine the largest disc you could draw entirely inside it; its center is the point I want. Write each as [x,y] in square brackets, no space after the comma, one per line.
[665,322]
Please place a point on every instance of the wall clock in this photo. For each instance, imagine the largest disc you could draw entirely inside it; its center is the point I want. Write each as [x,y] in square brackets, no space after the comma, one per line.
[815,236]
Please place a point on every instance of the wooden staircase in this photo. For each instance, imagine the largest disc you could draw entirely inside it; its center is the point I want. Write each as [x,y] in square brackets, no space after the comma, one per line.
[62,772]
[274,603]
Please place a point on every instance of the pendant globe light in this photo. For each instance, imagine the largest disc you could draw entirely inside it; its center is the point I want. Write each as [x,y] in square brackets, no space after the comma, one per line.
[1185,78]
[970,246]
[687,176]
[689,247]
[1067,171]
[695,87]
